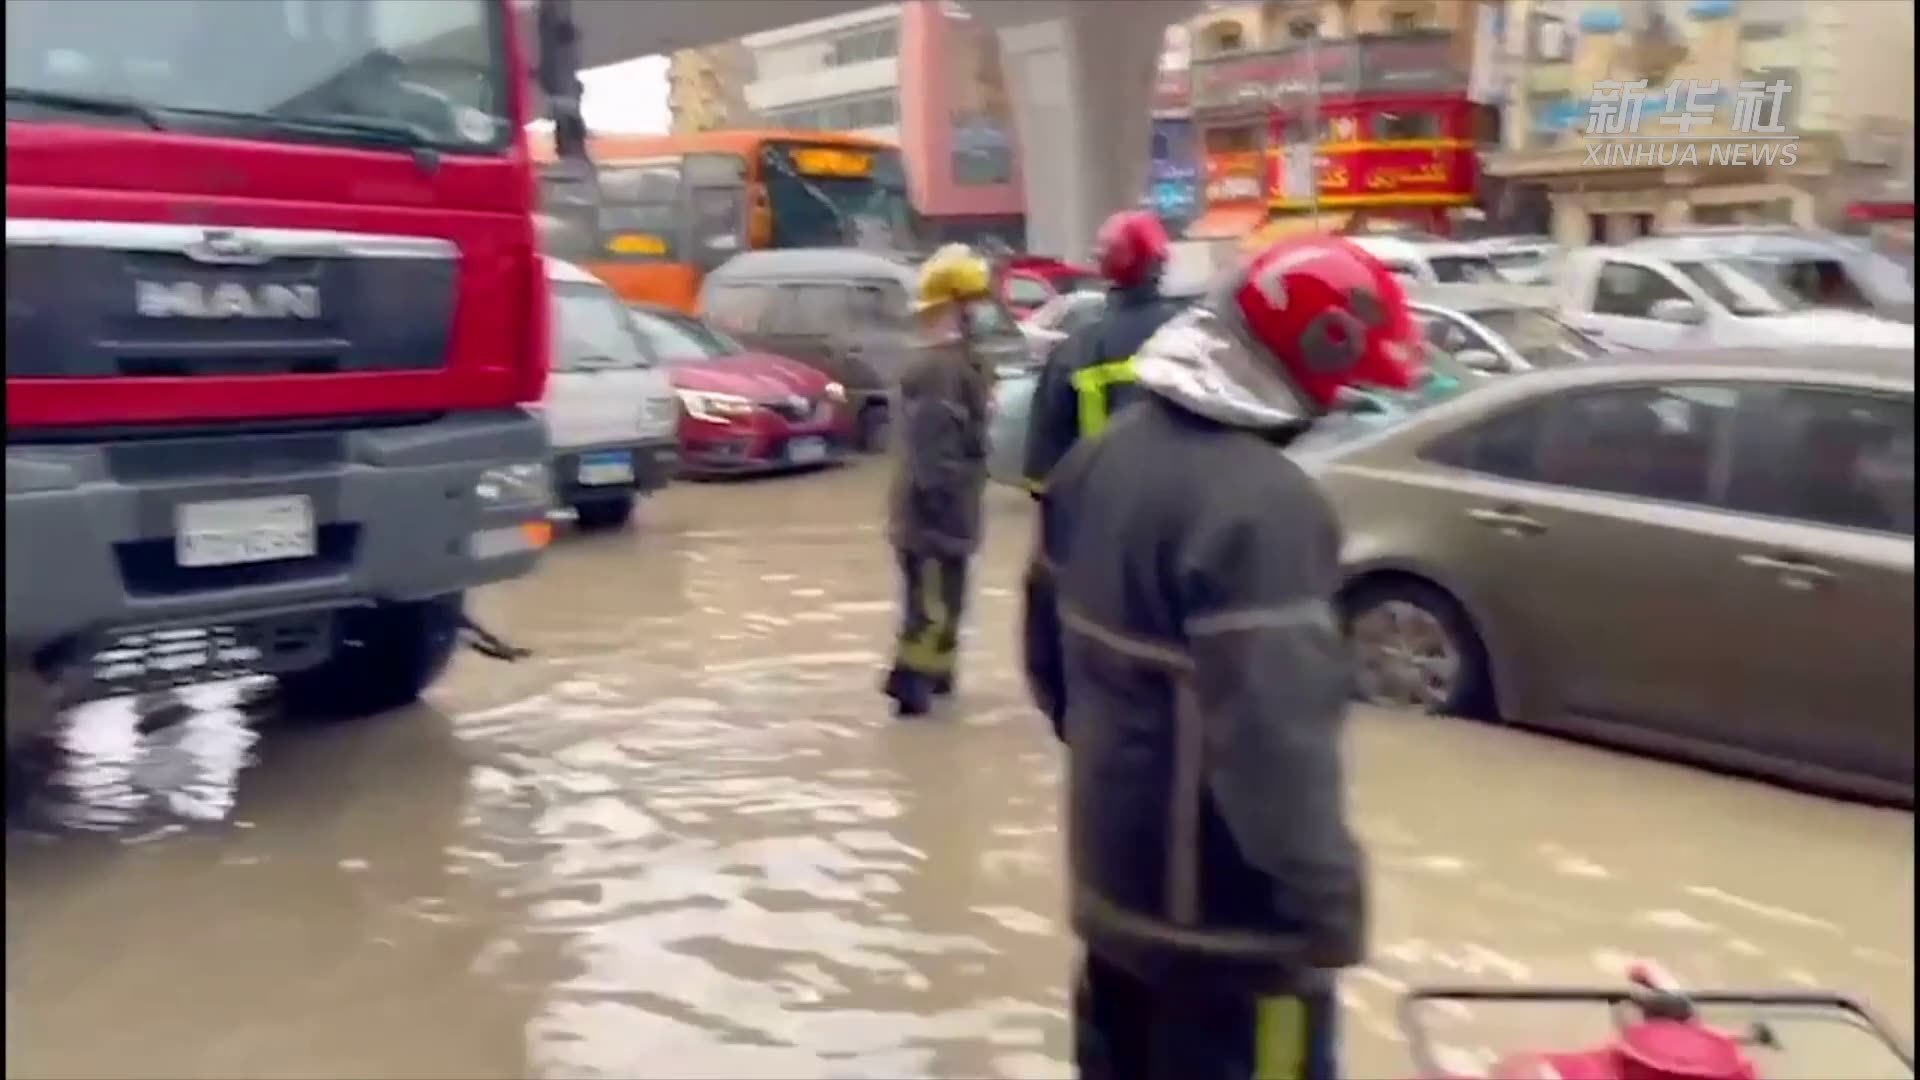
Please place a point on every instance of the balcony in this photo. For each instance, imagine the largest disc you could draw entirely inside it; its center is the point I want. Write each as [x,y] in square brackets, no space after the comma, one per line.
[1371,65]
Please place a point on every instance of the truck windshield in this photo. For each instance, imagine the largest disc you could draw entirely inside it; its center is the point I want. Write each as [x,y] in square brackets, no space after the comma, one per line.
[419,73]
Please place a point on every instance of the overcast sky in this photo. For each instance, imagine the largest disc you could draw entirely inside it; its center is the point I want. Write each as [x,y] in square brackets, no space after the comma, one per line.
[627,97]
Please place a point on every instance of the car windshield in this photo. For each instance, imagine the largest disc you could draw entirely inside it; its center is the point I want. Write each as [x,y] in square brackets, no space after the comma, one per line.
[1749,288]
[1517,259]
[1539,337]
[1463,269]
[592,329]
[401,73]
[681,341]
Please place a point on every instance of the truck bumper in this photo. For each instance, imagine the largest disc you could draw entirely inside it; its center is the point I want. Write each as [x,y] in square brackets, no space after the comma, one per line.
[652,464]
[402,512]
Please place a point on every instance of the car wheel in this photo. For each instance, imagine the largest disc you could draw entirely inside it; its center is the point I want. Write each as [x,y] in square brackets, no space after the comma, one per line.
[872,430]
[383,657]
[1414,648]
[604,513]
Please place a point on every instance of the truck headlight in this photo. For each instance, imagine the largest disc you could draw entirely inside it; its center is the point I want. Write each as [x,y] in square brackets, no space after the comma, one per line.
[836,393]
[528,484]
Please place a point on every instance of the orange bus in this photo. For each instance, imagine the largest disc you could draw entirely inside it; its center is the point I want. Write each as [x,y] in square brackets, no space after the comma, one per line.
[661,210]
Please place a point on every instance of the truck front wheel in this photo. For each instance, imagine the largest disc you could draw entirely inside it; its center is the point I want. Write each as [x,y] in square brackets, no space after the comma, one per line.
[384,657]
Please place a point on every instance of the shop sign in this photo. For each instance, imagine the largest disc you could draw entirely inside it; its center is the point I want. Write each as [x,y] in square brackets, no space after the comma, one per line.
[1274,76]
[1382,175]
[1236,178]
[1416,63]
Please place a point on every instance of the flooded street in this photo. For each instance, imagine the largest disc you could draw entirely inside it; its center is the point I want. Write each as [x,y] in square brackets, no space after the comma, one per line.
[686,839]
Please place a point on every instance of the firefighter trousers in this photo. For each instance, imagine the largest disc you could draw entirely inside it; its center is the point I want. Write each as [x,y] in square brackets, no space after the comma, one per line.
[1126,1029]
[933,595]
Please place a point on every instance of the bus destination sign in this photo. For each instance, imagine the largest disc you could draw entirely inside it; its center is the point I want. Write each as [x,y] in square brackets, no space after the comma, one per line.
[832,161]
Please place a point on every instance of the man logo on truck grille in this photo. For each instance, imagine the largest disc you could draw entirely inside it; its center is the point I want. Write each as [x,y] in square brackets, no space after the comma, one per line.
[225,300]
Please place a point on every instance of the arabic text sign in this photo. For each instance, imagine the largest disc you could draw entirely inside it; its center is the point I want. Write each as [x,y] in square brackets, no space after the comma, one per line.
[1379,175]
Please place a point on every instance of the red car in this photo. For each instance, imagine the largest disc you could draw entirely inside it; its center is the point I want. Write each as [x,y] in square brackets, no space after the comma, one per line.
[744,411]
[1029,281]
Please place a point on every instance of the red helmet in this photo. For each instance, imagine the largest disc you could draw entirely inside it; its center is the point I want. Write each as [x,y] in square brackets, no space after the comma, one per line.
[1131,246]
[1331,316]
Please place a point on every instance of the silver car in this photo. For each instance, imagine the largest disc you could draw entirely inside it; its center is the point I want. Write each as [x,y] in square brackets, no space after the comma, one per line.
[1702,554]
[1499,329]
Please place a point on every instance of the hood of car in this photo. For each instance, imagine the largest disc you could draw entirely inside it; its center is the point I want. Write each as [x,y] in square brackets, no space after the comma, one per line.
[1827,326]
[755,376]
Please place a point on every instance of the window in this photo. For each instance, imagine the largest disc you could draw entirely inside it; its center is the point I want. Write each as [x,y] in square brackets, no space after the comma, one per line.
[1824,283]
[640,217]
[1405,22]
[1023,291]
[1449,335]
[674,341]
[877,307]
[1240,139]
[1827,456]
[1649,442]
[1303,29]
[738,309]
[876,43]
[1653,442]
[813,310]
[842,114]
[1467,269]
[1223,37]
[434,66]
[1402,126]
[592,330]
[1631,291]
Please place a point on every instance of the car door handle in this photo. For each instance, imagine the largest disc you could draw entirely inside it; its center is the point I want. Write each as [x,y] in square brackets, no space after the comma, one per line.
[1508,521]
[1791,570]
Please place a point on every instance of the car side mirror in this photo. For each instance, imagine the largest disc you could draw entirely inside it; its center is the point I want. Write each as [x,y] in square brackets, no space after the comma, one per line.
[1484,360]
[1679,312]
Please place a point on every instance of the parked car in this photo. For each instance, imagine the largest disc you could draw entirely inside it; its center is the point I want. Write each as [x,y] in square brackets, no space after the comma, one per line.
[1821,269]
[845,312]
[610,410]
[1708,554]
[1648,297]
[1499,329]
[1522,260]
[741,410]
[1027,282]
[1424,261]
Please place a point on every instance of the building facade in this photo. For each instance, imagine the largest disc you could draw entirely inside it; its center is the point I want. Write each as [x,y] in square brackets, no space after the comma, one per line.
[1321,113]
[1778,111]
[706,88]
[835,74]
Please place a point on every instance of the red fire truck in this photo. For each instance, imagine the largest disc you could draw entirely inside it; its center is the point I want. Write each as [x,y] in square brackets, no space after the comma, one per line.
[275,311]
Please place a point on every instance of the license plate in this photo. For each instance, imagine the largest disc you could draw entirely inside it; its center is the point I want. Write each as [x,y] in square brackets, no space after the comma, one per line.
[236,531]
[615,467]
[807,451]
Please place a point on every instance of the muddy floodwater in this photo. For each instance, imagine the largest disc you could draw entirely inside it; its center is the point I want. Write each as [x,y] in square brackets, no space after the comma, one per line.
[686,839]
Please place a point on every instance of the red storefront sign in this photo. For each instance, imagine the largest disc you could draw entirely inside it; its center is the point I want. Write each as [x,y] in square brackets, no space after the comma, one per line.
[1385,175]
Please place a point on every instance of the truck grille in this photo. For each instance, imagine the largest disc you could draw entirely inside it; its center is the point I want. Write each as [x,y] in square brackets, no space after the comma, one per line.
[96,299]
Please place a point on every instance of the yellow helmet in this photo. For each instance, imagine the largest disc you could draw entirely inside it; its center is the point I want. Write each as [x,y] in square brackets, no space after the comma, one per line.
[954,273]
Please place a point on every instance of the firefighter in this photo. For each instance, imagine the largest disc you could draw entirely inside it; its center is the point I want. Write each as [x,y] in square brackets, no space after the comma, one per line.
[941,475]
[1197,673]
[1090,375]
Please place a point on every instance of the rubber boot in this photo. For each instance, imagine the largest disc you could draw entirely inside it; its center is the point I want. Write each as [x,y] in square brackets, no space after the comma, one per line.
[912,694]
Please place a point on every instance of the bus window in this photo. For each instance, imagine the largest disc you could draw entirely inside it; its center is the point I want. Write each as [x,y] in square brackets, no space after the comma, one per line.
[718,224]
[814,310]
[640,217]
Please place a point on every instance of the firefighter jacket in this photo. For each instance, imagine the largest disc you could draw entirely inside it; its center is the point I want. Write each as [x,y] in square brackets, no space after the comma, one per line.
[1182,635]
[940,473]
[1090,377]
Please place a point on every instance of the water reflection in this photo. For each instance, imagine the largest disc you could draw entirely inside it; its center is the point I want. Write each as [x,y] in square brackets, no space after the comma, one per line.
[685,839]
